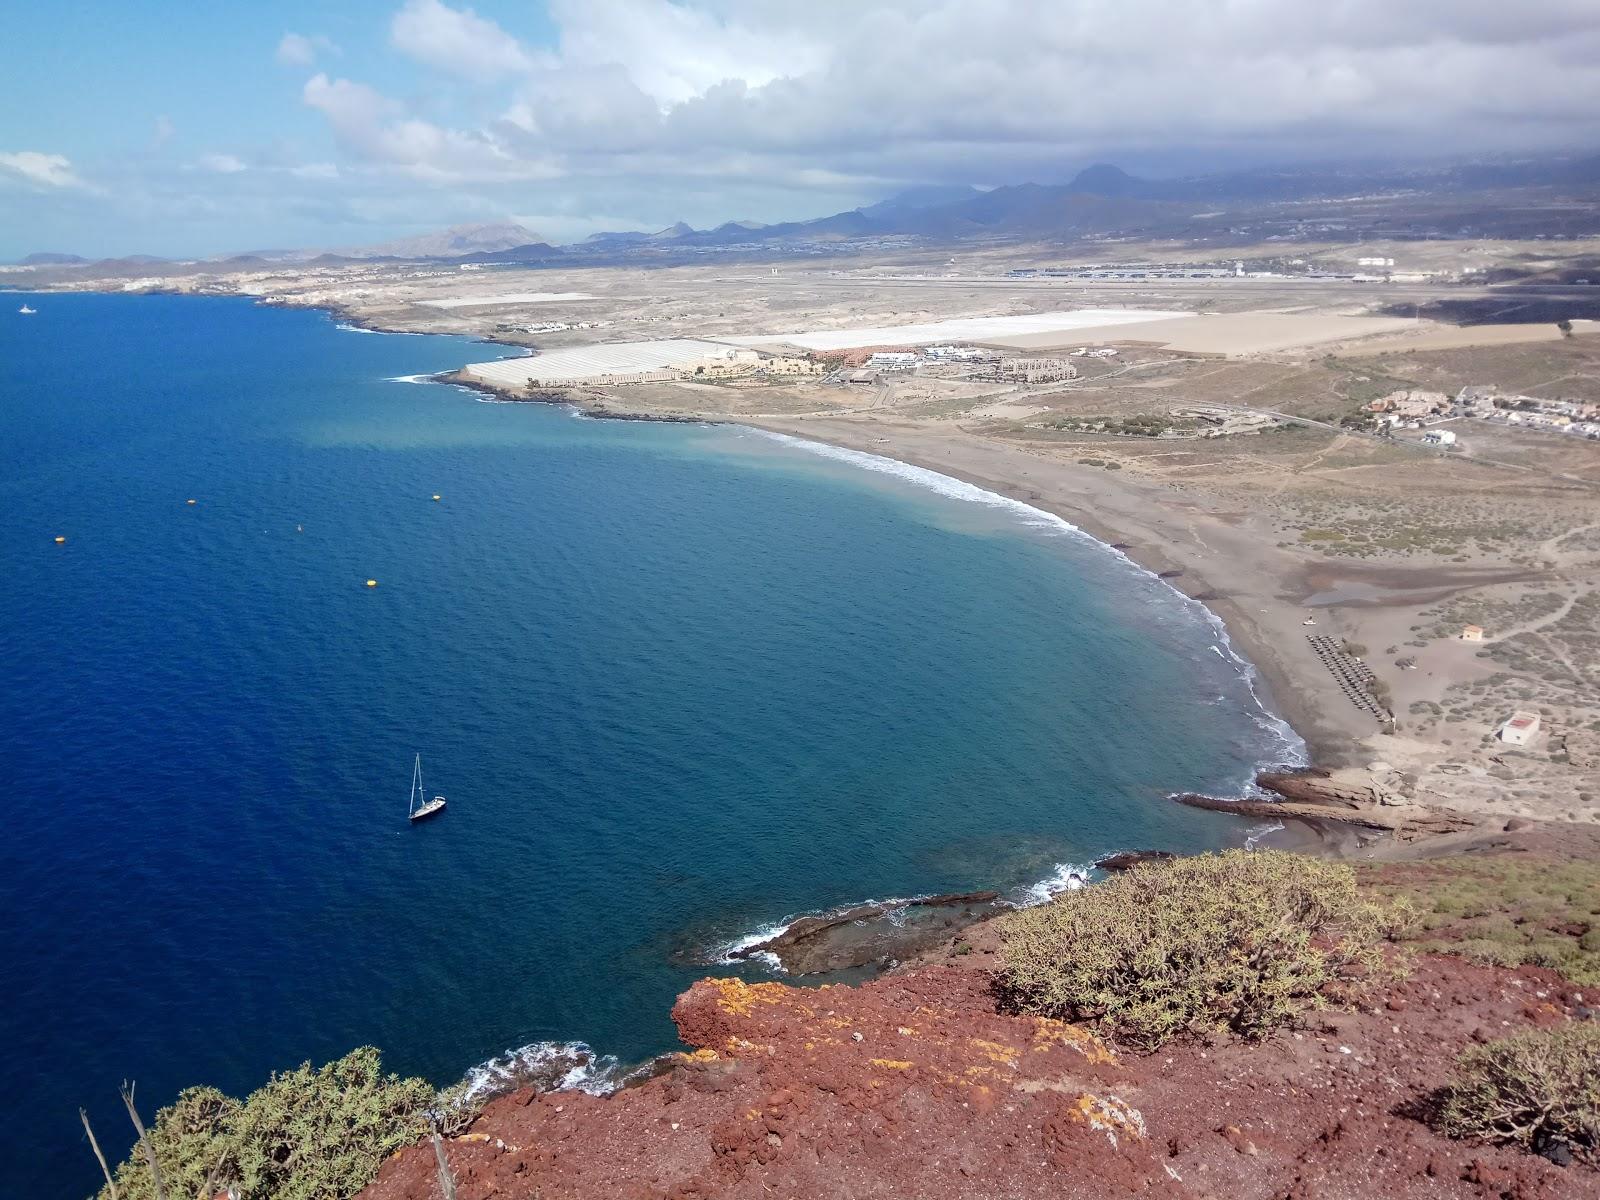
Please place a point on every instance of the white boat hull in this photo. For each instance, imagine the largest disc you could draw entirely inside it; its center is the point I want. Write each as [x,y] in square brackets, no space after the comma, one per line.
[436,805]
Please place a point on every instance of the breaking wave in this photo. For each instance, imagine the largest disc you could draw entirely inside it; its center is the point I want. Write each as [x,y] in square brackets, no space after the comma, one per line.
[1067,877]
[548,1066]
[1254,835]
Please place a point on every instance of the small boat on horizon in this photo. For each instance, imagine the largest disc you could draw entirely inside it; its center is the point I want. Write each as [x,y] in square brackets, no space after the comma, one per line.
[427,808]
[26,311]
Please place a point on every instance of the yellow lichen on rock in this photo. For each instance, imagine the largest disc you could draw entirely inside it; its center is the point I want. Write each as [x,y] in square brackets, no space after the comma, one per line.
[737,997]
[997,1051]
[891,1064]
[1050,1032]
[704,1054]
[1109,1115]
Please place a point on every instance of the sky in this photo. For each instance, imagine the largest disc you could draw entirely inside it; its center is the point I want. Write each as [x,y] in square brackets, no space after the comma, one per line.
[181,129]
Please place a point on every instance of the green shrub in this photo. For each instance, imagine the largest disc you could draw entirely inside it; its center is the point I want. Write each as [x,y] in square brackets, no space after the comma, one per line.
[1235,941]
[190,1144]
[1537,1089]
[1503,909]
[314,1133]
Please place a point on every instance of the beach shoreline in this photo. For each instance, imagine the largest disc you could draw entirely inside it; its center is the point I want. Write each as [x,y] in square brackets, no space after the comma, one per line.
[1289,685]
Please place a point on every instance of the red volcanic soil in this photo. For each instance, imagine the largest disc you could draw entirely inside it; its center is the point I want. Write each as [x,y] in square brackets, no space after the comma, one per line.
[914,1085]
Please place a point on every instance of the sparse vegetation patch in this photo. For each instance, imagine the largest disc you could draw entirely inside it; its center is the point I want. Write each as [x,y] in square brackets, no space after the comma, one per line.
[1235,941]
[313,1133]
[1539,1089]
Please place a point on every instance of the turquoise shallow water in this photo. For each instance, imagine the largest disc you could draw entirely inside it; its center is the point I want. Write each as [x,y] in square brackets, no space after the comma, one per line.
[678,683]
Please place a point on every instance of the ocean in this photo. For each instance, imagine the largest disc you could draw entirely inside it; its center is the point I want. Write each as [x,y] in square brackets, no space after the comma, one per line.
[679,683]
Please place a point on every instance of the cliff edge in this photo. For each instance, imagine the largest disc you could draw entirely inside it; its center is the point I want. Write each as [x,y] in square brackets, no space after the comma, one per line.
[918,1085]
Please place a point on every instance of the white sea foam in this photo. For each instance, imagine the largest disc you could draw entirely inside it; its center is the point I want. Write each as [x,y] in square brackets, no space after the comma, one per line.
[1253,835]
[409,379]
[552,1066]
[346,327]
[736,951]
[1067,877]
[1292,751]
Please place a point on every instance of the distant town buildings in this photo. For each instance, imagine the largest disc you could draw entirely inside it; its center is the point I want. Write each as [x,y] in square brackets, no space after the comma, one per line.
[892,360]
[1034,370]
[1411,404]
[790,364]
[1578,418]
[1132,271]
[1439,437]
[960,354]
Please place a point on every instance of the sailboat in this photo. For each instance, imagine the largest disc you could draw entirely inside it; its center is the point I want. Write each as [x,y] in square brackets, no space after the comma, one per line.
[426,808]
[26,311]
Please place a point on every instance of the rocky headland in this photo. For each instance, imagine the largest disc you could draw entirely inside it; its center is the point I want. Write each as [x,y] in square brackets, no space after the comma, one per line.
[927,1081]
[919,1084]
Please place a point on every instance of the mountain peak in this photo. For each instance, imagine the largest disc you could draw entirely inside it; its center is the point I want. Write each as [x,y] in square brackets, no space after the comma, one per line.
[50,258]
[1104,179]
[452,243]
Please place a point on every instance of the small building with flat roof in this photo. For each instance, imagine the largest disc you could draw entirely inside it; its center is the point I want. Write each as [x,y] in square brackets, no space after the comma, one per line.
[1519,728]
[1472,633]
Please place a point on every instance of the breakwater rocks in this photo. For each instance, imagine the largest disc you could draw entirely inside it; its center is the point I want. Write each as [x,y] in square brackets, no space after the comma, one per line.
[1367,799]
[873,934]
[1126,860]
[921,1085]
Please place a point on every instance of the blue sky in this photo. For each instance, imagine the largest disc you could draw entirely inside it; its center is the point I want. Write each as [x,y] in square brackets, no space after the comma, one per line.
[182,128]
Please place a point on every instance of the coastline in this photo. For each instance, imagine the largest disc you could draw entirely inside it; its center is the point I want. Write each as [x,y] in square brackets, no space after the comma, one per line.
[1223,587]
[1126,520]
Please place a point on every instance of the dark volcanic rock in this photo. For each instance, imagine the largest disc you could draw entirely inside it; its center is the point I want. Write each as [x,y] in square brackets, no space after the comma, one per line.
[874,933]
[1128,859]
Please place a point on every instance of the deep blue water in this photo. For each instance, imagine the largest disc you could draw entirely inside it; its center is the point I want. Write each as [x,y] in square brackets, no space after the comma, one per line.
[677,683]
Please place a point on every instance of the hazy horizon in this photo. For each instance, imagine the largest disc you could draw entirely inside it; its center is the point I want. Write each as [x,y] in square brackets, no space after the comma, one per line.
[308,125]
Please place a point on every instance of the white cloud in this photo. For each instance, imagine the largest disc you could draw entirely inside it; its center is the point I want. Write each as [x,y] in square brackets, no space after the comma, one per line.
[377,129]
[42,170]
[223,164]
[298,50]
[674,52]
[162,132]
[844,97]
[995,89]
[456,40]
[353,109]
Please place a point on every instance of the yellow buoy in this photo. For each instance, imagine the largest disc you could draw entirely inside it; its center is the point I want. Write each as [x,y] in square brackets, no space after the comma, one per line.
[60,541]
[372,583]
[436,495]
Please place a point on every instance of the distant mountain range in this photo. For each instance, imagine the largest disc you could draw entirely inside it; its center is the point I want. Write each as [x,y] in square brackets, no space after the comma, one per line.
[458,241]
[1100,199]
[46,258]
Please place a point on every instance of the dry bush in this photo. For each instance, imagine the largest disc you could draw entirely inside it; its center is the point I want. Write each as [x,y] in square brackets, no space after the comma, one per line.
[1235,941]
[314,1133]
[1538,1089]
